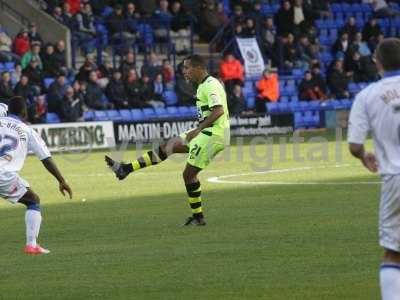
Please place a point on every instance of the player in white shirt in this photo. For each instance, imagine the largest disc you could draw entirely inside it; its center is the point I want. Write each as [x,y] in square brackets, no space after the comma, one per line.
[16,140]
[376,109]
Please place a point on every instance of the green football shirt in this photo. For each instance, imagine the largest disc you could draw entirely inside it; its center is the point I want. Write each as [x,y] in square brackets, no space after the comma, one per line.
[210,93]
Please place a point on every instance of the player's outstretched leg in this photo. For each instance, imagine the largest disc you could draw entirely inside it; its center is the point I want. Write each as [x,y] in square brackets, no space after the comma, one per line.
[193,188]
[150,158]
[33,220]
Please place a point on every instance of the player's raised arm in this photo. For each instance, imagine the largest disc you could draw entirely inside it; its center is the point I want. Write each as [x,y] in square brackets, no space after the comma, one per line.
[51,166]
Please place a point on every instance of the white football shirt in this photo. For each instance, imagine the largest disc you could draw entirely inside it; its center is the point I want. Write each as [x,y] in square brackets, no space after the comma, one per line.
[376,109]
[16,140]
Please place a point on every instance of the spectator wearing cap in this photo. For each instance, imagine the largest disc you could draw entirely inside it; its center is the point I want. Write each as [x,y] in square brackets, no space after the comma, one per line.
[231,71]
[34,36]
[22,43]
[115,91]
[55,94]
[268,90]
[6,90]
[71,107]
[30,55]
[118,27]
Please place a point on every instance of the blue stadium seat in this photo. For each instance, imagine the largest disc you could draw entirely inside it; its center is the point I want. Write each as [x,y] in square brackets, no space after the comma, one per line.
[298,120]
[88,115]
[283,107]
[52,118]
[126,115]
[9,66]
[170,97]
[353,87]
[193,111]
[114,115]
[315,105]
[184,111]
[294,98]
[100,115]
[149,113]
[272,108]
[294,106]
[48,82]
[173,111]
[303,105]
[250,102]
[284,99]
[161,112]
[137,114]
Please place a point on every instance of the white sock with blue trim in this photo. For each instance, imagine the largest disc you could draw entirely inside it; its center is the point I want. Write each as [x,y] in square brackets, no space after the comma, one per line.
[33,219]
[390,281]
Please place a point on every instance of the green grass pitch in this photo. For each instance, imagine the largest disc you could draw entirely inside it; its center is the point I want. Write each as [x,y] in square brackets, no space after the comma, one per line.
[316,240]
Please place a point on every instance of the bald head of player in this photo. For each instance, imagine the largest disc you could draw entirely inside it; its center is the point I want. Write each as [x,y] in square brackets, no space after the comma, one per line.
[17,107]
[195,68]
[388,55]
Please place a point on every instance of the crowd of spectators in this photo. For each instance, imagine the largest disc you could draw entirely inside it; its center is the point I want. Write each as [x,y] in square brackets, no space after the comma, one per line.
[289,39]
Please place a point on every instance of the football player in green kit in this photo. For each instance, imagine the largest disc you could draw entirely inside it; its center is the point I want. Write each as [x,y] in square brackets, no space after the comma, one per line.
[202,143]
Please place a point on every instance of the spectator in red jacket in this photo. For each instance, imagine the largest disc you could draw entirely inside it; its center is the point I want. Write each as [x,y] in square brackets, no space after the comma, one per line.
[21,43]
[268,90]
[231,71]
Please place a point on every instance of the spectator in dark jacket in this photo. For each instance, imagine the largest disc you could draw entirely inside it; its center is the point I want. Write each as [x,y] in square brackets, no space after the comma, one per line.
[68,17]
[85,70]
[309,90]
[128,63]
[115,91]
[117,26]
[35,74]
[210,21]
[185,91]
[34,36]
[249,29]
[55,94]
[60,55]
[146,7]
[318,79]
[24,88]
[133,90]
[51,67]
[371,32]
[71,109]
[6,90]
[94,94]
[284,19]
[338,80]
[86,31]
[236,102]
[180,28]
[151,67]
[350,28]
[342,44]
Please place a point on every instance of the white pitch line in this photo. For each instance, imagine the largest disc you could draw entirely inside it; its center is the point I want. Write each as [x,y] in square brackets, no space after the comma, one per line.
[221,179]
